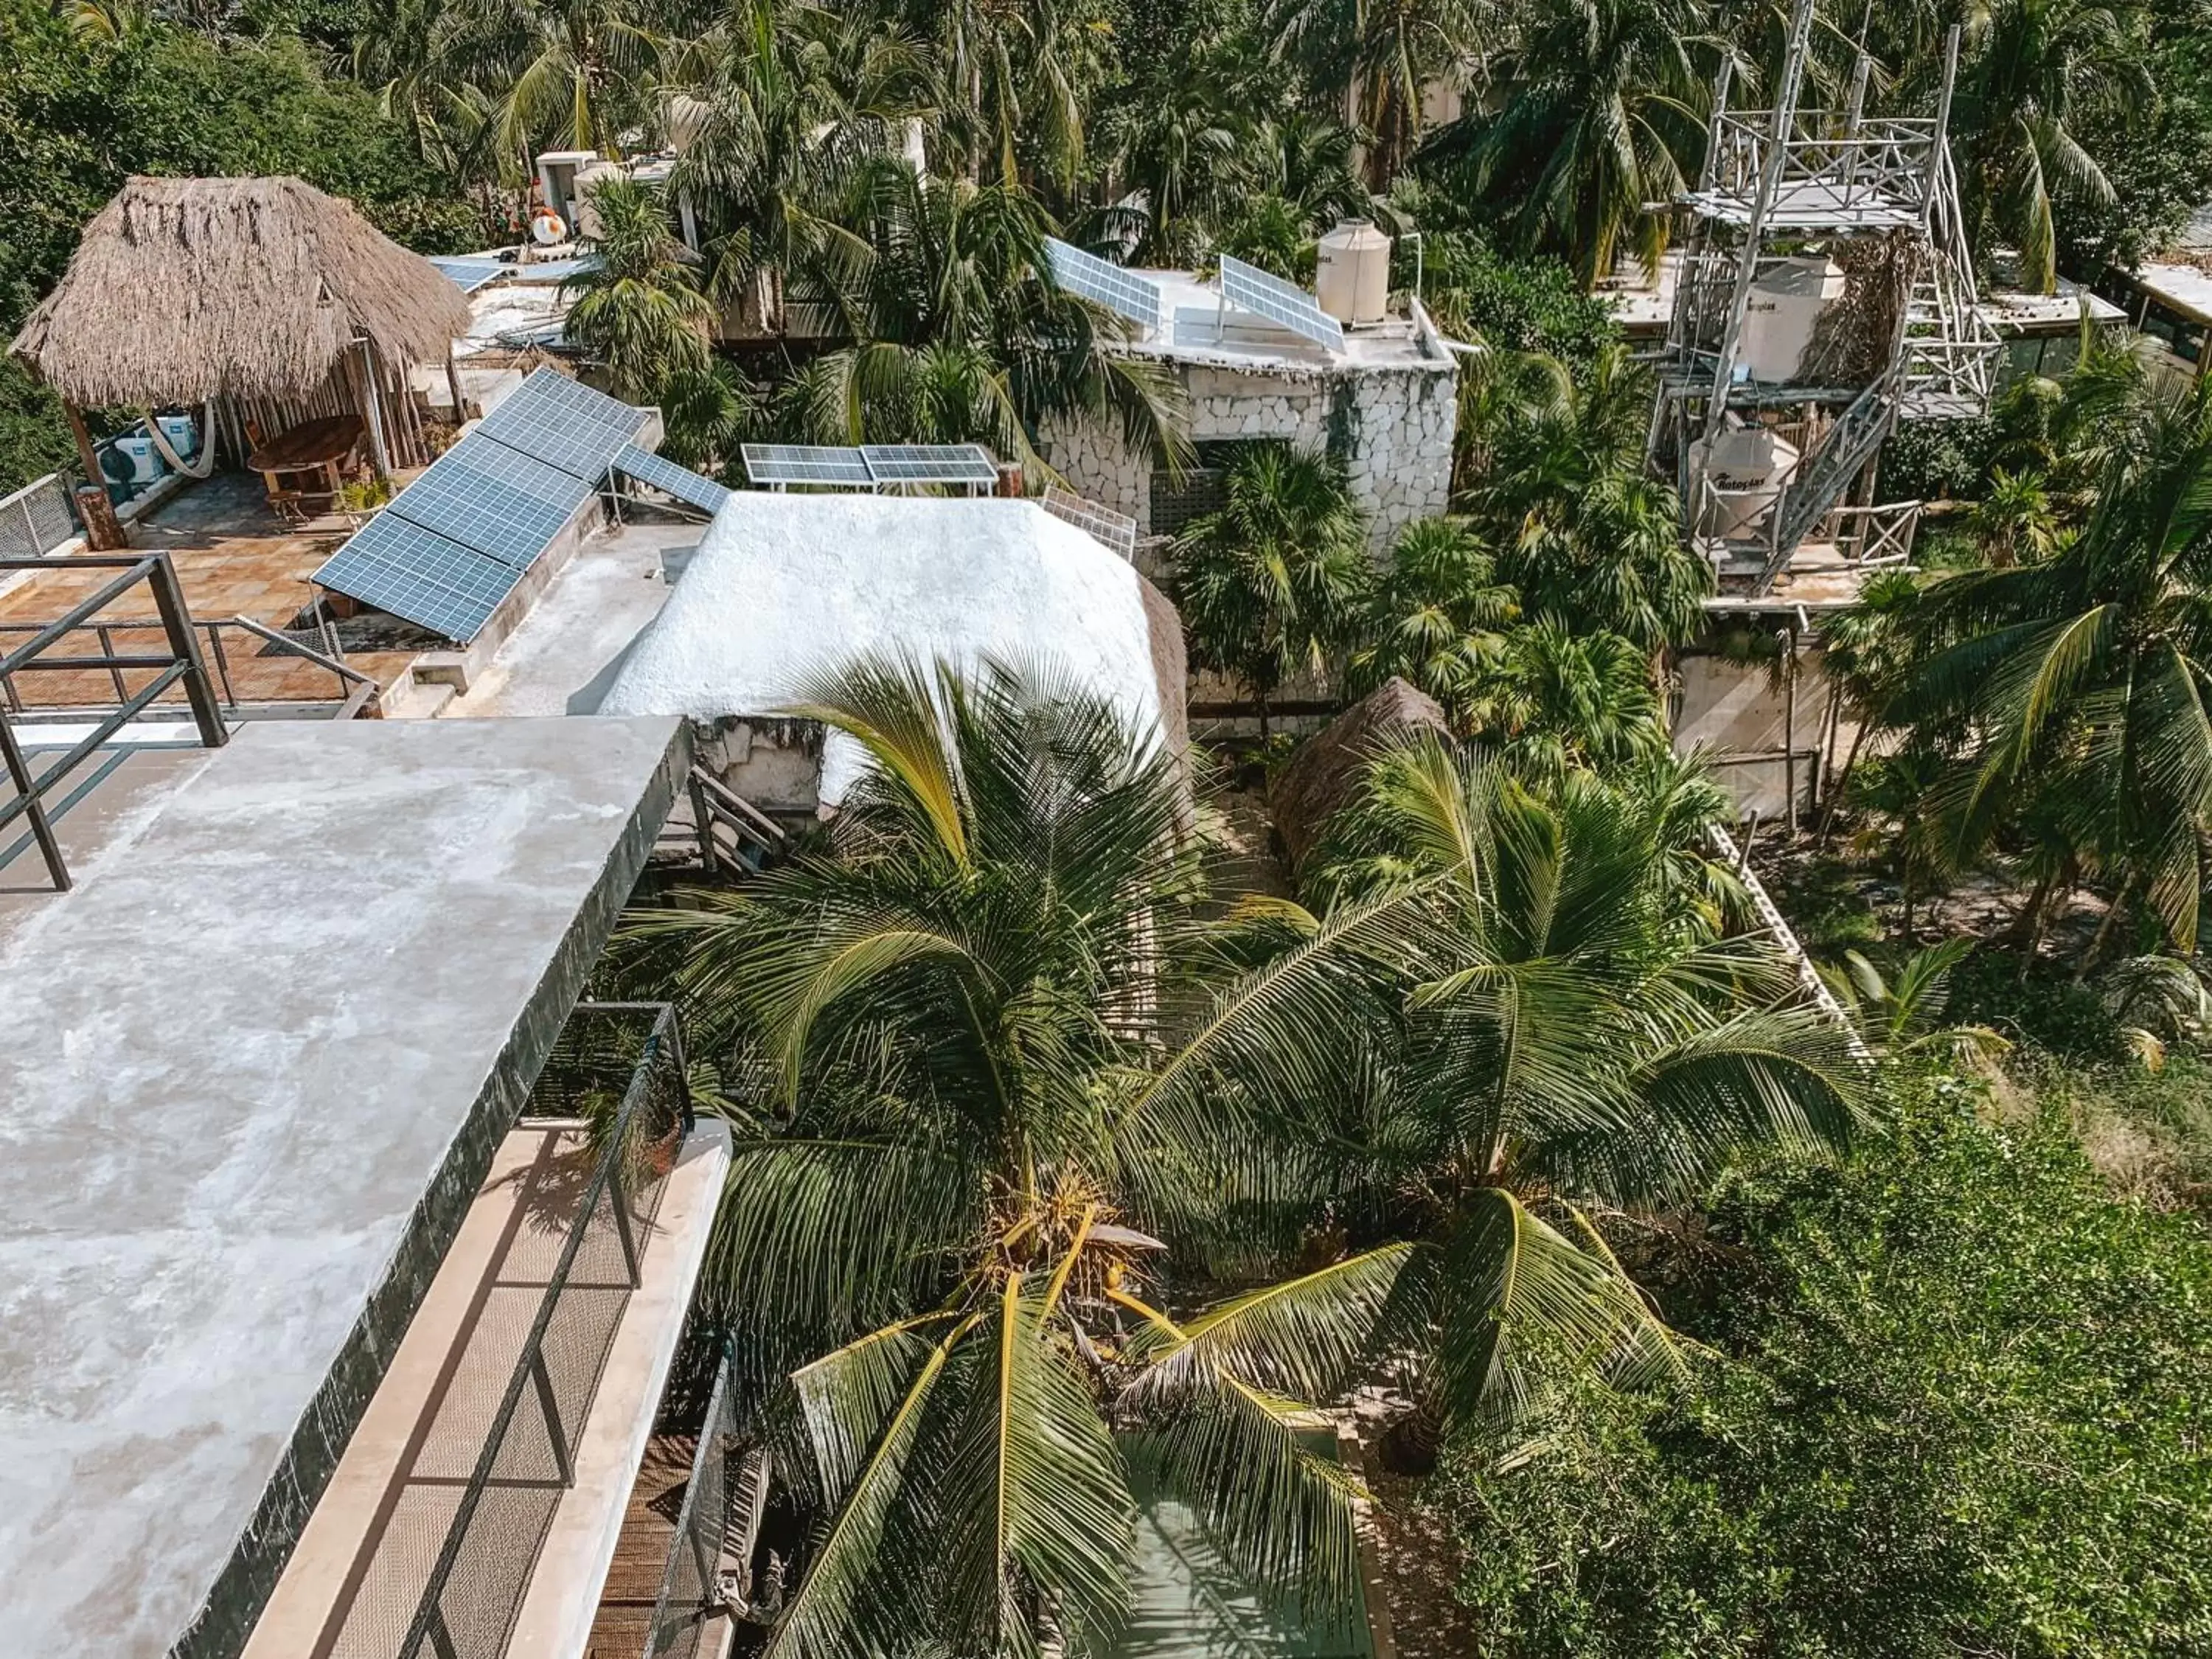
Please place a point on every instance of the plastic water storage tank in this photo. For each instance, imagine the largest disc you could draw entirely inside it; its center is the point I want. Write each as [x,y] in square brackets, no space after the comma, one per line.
[1787,299]
[1352,278]
[1752,465]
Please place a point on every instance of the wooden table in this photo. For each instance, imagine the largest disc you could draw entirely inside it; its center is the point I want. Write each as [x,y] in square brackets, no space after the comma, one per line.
[312,458]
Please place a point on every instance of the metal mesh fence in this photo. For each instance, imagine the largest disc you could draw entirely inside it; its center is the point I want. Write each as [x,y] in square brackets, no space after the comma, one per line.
[617,1077]
[36,519]
[690,1587]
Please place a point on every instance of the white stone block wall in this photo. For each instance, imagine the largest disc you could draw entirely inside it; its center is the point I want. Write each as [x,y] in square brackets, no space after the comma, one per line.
[1396,424]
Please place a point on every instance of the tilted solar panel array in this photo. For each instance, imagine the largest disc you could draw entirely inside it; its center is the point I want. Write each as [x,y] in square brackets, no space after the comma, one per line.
[806,464]
[871,466]
[1104,283]
[664,475]
[454,544]
[1249,289]
[918,463]
[469,274]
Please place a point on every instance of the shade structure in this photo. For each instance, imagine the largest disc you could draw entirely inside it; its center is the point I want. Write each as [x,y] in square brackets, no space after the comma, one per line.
[262,292]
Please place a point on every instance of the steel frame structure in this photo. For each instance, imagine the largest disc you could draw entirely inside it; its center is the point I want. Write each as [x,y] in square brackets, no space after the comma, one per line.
[1774,179]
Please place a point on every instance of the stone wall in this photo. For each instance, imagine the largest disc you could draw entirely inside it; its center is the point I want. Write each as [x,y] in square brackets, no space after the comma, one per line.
[1391,425]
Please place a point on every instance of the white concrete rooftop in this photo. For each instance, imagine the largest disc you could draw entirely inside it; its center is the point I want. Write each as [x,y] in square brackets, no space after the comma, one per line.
[785,589]
[1247,340]
[294,974]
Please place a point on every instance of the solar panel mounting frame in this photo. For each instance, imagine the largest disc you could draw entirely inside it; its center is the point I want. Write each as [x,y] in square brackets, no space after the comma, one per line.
[1249,289]
[777,465]
[930,464]
[658,472]
[1105,283]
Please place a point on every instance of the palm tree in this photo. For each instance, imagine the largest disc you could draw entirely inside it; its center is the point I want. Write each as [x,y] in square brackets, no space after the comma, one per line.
[641,312]
[1555,699]
[573,72]
[1005,1102]
[1605,103]
[2036,67]
[777,108]
[1436,617]
[2015,522]
[961,332]
[947,1034]
[1376,58]
[1273,583]
[1577,1032]
[2082,681]
[1581,529]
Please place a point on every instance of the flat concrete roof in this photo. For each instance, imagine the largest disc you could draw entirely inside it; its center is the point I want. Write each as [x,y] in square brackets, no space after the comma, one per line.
[1249,341]
[242,1062]
[2184,287]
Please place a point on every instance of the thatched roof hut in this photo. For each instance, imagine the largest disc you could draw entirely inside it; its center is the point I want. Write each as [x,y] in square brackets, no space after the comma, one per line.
[264,293]
[1321,777]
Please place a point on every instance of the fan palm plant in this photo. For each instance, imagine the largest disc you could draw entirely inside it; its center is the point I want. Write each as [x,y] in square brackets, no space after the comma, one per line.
[1007,1096]
[1273,585]
[1588,538]
[2082,681]
[639,311]
[1436,617]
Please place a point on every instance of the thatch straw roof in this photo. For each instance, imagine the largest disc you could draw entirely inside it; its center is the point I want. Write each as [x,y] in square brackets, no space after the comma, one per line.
[1321,775]
[184,290]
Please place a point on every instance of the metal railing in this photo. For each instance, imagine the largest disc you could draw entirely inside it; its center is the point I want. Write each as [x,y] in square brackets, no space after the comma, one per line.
[617,1069]
[351,690]
[691,1596]
[37,518]
[180,666]
[1881,170]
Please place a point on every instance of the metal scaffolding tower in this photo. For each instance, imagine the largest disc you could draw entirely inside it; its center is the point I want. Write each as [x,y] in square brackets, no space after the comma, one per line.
[1775,459]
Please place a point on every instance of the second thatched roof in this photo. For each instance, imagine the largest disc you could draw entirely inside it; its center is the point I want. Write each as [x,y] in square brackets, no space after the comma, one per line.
[184,290]
[1323,776]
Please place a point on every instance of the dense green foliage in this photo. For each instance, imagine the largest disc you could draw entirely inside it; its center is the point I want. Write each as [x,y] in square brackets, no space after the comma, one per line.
[80,112]
[1957,1404]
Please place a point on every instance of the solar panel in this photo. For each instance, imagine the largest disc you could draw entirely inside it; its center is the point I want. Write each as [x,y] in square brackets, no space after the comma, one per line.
[1249,289]
[664,475]
[806,464]
[469,274]
[431,582]
[566,425]
[905,463]
[1117,531]
[1106,284]
[494,499]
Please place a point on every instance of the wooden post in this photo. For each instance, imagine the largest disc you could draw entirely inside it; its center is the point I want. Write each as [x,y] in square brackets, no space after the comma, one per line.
[453,386]
[103,532]
[372,415]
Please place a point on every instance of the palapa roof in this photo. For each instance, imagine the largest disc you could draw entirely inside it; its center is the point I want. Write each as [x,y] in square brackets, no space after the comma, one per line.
[184,290]
[1322,775]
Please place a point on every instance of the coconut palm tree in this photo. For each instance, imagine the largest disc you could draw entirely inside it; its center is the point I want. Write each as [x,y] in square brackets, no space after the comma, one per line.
[2035,68]
[1007,1104]
[1605,106]
[946,1034]
[775,108]
[2082,681]
[1274,583]
[961,332]
[1376,58]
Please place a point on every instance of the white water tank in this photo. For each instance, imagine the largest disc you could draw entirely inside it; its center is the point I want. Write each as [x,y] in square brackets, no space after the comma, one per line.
[1352,279]
[1749,466]
[1787,299]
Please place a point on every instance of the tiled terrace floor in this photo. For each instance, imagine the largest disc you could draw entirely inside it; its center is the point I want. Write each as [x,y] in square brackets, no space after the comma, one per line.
[234,558]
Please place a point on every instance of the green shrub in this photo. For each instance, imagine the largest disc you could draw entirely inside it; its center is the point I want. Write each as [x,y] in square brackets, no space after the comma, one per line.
[1957,1404]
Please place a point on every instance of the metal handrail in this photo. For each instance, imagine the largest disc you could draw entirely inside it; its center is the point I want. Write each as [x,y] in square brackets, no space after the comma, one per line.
[183,665]
[532,1375]
[689,1547]
[356,690]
